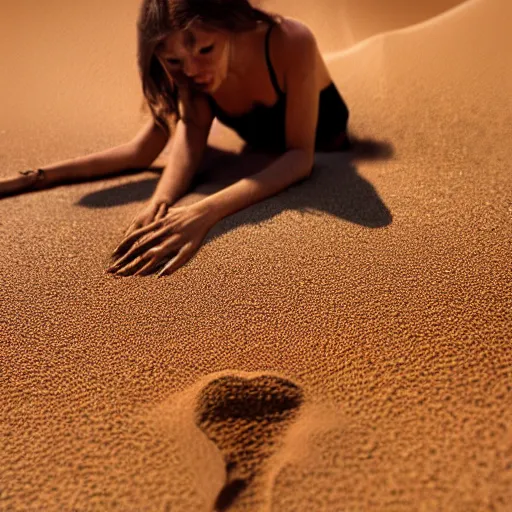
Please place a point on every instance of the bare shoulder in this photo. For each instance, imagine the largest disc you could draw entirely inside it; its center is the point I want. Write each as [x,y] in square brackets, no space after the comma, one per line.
[294,37]
[295,47]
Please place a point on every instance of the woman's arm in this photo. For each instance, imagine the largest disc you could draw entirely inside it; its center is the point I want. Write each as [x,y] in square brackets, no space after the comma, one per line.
[140,152]
[186,151]
[292,166]
[187,148]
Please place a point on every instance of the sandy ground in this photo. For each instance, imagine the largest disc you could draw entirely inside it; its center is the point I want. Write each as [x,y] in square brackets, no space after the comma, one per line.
[344,345]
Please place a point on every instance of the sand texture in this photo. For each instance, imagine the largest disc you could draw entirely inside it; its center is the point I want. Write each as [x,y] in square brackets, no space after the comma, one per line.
[342,346]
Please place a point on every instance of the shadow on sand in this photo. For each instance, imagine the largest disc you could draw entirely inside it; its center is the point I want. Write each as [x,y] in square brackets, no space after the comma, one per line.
[334,187]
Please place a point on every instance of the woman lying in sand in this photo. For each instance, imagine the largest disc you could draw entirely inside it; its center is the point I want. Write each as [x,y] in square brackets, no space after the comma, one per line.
[260,74]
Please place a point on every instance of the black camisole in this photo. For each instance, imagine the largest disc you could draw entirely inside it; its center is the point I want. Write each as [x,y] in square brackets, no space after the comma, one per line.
[263,127]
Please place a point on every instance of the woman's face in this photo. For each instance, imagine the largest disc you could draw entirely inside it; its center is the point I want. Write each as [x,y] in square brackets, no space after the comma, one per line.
[197,57]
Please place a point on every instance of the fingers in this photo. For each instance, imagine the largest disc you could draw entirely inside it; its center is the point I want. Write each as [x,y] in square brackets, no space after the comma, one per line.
[149,266]
[144,243]
[159,260]
[185,253]
[148,261]
[160,254]
[134,226]
[139,253]
[162,210]
[135,265]
[154,258]
[130,239]
[156,213]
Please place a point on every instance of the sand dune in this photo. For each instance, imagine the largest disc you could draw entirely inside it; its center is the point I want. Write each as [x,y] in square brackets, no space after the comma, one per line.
[344,345]
[340,24]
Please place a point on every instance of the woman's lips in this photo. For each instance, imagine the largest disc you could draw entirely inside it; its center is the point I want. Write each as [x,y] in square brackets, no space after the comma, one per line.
[203,81]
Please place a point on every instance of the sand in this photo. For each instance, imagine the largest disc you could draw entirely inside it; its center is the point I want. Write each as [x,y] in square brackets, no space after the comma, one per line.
[344,345]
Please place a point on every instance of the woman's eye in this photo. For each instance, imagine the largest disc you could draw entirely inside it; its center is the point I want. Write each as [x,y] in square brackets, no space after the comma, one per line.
[206,49]
[173,62]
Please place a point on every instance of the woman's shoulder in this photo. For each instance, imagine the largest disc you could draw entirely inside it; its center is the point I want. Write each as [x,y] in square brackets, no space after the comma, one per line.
[293,36]
[292,42]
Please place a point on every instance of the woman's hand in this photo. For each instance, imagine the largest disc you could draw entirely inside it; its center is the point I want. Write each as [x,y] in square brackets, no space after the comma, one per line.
[153,211]
[178,234]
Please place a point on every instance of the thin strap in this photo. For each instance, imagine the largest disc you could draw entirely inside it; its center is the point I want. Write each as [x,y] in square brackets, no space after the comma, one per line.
[269,63]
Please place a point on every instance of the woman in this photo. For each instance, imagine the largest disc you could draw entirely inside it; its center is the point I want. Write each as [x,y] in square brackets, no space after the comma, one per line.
[260,74]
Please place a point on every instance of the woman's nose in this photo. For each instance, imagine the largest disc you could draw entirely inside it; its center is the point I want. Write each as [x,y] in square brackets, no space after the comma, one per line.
[190,68]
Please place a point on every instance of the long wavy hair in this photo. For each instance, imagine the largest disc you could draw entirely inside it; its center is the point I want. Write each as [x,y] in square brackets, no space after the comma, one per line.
[158,19]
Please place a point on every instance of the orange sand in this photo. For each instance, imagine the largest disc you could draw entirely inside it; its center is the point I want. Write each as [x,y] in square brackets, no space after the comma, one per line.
[344,345]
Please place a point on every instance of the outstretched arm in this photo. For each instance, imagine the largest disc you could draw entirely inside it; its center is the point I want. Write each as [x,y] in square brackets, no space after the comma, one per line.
[140,152]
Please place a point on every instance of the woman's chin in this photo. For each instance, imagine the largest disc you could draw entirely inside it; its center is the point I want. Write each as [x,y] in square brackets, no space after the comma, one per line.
[206,87]
[212,86]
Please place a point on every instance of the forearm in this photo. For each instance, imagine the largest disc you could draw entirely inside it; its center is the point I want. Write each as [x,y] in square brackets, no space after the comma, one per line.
[186,152]
[292,166]
[98,164]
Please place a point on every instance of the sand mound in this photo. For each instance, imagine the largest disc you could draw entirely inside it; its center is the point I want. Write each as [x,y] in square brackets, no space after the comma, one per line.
[340,24]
